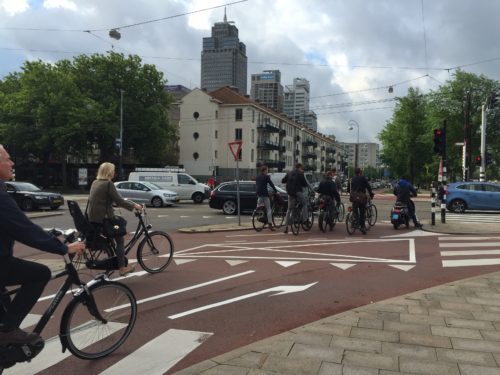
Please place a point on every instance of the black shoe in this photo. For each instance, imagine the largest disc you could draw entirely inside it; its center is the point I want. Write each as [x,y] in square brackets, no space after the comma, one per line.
[271,227]
[286,230]
[418,226]
[17,336]
[363,230]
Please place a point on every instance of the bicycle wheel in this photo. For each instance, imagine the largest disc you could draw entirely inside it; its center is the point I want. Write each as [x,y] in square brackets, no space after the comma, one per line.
[86,335]
[296,220]
[340,211]
[322,221]
[279,215]
[350,222]
[155,252]
[259,218]
[308,224]
[371,215]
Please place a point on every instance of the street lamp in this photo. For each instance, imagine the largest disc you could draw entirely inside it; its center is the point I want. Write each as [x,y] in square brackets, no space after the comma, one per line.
[353,124]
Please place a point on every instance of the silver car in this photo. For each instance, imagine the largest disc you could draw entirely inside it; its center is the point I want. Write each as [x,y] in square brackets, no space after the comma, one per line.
[147,193]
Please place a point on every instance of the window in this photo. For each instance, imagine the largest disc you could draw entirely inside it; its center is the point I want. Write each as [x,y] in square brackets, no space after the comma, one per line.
[125,185]
[239,154]
[184,180]
[238,134]
[216,114]
[238,114]
[215,154]
[251,155]
[216,134]
[253,115]
[253,135]
[493,188]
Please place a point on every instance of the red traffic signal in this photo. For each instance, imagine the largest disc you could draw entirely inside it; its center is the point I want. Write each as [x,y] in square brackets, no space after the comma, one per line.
[439,141]
[478,160]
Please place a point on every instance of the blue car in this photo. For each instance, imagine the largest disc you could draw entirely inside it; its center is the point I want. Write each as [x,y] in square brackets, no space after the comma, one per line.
[464,196]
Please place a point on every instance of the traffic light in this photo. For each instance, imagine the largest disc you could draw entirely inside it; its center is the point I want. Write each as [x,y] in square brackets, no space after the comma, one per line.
[487,158]
[478,160]
[439,141]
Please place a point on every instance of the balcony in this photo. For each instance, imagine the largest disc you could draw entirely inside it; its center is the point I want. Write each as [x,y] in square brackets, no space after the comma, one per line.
[330,160]
[310,142]
[310,155]
[268,127]
[297,152]
[282,132]
[268,145]
[272,164]
[310,168]
[282,149]
[330,150]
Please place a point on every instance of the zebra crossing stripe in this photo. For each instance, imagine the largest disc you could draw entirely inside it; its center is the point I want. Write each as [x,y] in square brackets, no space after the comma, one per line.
[468,244]
[30,320]
[52,353]
[469,252]
[159,354]
[471,262]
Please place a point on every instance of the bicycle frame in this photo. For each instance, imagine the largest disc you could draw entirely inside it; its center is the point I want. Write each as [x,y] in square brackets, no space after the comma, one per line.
[142,229]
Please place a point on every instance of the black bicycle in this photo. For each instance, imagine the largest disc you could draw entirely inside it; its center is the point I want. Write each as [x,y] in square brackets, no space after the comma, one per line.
[155,249]
[97,320]
[278,211]
[328,214]
[371,212]
[352,221]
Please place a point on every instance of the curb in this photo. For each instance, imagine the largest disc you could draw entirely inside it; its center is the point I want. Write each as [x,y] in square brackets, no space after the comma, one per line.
[36,215]
[210,229]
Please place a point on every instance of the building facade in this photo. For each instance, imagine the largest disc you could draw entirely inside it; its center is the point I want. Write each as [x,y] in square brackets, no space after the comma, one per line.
[368,154]
[209,121]
[223,59]
[266,88]
[296,103]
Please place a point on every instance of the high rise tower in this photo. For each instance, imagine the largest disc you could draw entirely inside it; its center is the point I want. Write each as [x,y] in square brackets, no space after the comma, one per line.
[223,59]
[267,89]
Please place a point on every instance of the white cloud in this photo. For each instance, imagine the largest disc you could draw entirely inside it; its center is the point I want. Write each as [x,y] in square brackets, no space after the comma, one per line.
[13,7]
[64,4]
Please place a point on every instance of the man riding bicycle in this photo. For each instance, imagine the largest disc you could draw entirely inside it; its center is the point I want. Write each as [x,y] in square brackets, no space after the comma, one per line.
[327,190]
[295,183]
[32,276]
[262,180]
[359,188]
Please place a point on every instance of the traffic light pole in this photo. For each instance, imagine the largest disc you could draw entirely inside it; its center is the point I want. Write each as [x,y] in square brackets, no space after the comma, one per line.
[443,155]
[482,168]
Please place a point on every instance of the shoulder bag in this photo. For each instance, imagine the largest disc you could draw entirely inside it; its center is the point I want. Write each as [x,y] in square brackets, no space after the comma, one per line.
[115,226]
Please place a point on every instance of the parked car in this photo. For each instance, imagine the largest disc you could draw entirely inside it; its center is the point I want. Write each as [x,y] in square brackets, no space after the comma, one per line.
[464,196]
[30,197]
[147,193]
[223,197]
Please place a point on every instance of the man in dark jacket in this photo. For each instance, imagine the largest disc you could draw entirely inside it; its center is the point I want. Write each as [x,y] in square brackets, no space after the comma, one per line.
[403,191]
[295,183]
[15,226]
[328,191]
[359,184]
[262,180]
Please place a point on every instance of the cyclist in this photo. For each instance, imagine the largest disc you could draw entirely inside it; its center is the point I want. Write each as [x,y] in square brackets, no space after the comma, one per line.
[15,226]
[360,186]
[328,192]
[295,183]
[403,191]
[261,182]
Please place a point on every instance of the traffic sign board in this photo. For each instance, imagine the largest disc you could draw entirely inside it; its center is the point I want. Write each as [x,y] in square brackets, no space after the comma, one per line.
[235,148]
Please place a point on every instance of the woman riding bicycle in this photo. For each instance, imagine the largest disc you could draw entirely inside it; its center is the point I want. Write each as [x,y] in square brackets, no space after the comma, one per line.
[32,276]
[103,194]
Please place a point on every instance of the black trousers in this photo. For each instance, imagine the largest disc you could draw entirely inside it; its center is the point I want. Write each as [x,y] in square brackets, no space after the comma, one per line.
[360,210]
[32,277]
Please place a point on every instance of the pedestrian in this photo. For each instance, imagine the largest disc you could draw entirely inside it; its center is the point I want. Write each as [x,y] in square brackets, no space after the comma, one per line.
[403,191]
[360,187]
[102,195]
[211,182]
[295,183]
[261,182]
[31,276]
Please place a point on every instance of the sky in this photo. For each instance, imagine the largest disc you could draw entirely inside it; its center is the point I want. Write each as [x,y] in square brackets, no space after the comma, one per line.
[351,51]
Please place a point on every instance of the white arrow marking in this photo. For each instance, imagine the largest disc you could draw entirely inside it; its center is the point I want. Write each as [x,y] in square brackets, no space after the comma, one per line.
[207,217]
[402,267]
[343,266]
[286,264]
[183,261]
[235,262]
[283,289]
[53,354]
[159,354]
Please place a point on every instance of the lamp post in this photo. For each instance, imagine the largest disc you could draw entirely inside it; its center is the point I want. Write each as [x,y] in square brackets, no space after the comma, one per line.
[353,124]
[121,136]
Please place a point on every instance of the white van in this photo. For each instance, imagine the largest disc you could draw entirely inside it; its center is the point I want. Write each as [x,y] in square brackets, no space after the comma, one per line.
[276,178]
[181,183]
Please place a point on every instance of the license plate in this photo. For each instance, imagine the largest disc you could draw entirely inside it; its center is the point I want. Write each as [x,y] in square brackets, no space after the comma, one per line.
[56,201]
[395,216]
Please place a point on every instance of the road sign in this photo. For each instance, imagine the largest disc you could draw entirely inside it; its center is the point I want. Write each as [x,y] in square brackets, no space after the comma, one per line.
[235,148]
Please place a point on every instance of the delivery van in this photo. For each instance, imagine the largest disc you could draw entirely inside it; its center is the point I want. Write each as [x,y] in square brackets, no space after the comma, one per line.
[181,183]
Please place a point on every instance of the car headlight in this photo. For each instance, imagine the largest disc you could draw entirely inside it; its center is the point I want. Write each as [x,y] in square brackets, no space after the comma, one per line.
[39,197]
[168,195]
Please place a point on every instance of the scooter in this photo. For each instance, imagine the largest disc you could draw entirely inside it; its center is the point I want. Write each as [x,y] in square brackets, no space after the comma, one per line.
[400,215]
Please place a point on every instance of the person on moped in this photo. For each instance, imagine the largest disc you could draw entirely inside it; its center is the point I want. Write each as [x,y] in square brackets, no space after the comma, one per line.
[403,191]
[31,276]
[327,191]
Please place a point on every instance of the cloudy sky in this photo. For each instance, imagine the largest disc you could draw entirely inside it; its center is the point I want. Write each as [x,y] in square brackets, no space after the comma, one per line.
[351,51]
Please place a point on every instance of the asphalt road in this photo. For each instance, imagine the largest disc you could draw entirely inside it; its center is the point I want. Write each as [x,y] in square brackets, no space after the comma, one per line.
[228,289]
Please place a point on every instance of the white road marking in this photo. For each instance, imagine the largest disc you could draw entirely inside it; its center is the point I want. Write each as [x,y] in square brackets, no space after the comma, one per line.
[343,266]
[467,244]
[184,216]
[159,354]
[162,215]
[196,286]
[206,217]
[466,238]
[403,267]
[236,262]
[52,353]
[469,252]
[30,320]
[231,217]
[471,262]
[286,264]
[414,233]
[283,289]
[183,261]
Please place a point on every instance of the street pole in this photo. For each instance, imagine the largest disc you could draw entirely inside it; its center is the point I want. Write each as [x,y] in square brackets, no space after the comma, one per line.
[445,187]
[353,124]
[482,168]
[121,136]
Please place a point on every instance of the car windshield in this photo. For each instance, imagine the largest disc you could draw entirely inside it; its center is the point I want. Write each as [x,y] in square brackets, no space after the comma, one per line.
[25,186]
[152,186]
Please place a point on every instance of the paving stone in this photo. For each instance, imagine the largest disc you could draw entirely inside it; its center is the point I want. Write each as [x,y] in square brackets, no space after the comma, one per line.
[198,368]
[371,323]
[431,304]
[311,338]
[347,320]
[489,316]
[445,298]
[489,295]
[328,329]
[292,365]
[372,360]
[468,323]
[226,370]
[249,360]
[416,366]
[470,306]
[465,333]
[374,334]
[254,371]
[418,310]
[465,356]
[405,301]
[476,345]
[407,327]
[380,315]
[361,345]
[483,301]
[385,372]
[414,351]
[330,354]
[422,319]
[478,370]
[388,308]
[495,309]
[425,340]
[355,370]
[491,335]
[451,313]
[328,368]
